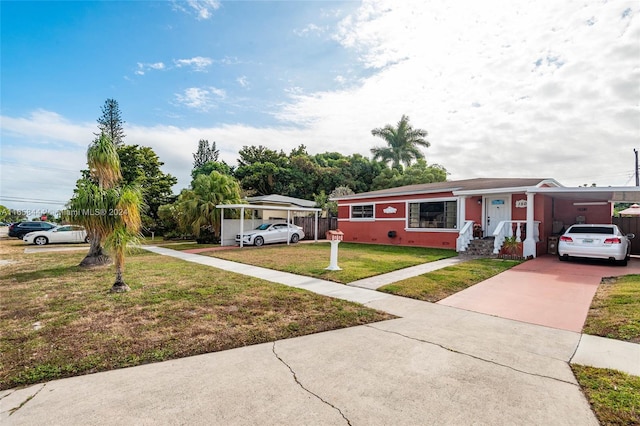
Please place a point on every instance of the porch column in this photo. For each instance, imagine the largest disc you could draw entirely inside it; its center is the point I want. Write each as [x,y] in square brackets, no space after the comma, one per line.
[463,211]
[529,246]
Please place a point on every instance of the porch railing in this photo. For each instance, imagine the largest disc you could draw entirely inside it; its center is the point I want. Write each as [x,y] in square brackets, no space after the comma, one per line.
[509,228]
[464,236]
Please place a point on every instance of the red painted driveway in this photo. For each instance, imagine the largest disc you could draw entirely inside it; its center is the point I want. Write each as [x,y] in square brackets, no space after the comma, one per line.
[541,291]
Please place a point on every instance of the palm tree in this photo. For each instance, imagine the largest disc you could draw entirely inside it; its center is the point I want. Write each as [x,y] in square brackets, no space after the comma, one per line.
[110,213]
[403,143]
[196,207]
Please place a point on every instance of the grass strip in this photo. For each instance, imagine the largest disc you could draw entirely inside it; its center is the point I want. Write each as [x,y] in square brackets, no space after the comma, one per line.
[357,261]
[615,309]
[614,396]
[439,284]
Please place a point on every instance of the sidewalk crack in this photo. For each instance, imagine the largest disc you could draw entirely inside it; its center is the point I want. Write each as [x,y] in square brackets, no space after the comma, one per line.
[29,398]
[576,349]
[295,377]
[473,356]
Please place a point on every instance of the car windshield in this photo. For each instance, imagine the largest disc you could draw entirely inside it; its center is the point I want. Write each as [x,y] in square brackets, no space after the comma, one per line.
[607,230]
[263,226]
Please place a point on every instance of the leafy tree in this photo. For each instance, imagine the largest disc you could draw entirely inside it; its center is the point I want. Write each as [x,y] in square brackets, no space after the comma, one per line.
[141,166]
[196,209]
[210,166]
[110,122]
[262,171]
[403,143]
[4,213]
[412,175]
[205,153]
[109,212]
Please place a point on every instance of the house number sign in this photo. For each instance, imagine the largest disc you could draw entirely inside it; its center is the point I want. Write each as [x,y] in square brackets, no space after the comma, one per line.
[521,204]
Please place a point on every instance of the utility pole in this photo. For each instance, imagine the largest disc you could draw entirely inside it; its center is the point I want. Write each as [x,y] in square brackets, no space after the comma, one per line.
[637,177]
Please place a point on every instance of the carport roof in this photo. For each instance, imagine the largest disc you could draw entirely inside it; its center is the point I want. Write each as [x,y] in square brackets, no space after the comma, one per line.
[609,193]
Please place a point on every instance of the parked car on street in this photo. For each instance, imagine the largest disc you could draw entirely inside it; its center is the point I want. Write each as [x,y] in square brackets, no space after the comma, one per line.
[596,242]
[59,234]
[268,233]
[19,229]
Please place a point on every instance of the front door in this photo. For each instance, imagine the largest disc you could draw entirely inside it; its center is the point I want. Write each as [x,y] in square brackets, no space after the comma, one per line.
[498,209]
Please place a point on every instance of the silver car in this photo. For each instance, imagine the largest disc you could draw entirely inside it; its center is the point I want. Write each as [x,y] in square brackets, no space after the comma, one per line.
[595,241]
[272,233]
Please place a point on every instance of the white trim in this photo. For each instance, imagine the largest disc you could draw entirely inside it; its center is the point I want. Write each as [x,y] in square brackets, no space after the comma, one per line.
[427,230]
[362,219]
[431,200]
[389,219]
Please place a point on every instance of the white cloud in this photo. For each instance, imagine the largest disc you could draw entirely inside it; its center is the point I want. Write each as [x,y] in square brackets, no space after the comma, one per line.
[143,67]
[310,29]
[200,98]
[198,63]
[203,9]
[242,81]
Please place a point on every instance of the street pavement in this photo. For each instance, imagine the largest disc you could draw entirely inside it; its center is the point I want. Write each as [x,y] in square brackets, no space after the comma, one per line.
[434,364]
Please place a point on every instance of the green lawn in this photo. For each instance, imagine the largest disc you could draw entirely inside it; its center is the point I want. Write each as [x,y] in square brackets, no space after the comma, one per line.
[356,260]
[59,320]
[613,395]
[615,310]
[437,285]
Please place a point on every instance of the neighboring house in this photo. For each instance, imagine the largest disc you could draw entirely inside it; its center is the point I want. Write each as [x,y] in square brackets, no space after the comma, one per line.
[445,214]
[278,201]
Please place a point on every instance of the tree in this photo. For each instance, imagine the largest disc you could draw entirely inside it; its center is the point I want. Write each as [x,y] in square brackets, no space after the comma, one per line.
[262,171]
[110,123]
[205,153]
[403,143]
[4,213]
[109,212]
[196,207]
[412,175]
[210,166]
[141,167]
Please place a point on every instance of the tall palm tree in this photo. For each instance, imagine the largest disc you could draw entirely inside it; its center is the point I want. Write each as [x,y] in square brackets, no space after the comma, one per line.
[403,143]
[197,206]
[111,214]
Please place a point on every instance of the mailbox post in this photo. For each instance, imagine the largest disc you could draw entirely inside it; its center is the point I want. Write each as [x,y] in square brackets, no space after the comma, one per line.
[334,238]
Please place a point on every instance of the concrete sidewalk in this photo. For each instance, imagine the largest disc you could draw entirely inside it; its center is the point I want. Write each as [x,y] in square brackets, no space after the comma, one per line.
[434,365]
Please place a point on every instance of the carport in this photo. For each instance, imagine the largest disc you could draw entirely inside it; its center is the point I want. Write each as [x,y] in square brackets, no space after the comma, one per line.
[229,234]
[563,206]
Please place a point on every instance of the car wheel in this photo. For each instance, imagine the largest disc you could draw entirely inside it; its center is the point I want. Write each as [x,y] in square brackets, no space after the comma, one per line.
[258,241]
[622,262]
[563,258]
[41,241]
[87,240]
[295,238]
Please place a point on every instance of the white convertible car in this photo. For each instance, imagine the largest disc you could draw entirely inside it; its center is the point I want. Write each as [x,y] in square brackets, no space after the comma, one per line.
[59,234]
[272,233]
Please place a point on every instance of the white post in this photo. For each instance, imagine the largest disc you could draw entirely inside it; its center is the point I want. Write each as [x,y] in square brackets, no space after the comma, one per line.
[242,227]
[288,227]
[462,202]
[333,262]
[529,246]
[221,226]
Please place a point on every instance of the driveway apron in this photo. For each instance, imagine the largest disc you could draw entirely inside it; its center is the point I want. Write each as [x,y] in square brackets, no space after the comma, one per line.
[543,291]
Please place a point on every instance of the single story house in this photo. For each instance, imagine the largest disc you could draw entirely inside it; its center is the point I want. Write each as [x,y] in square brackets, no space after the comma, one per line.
[451,214]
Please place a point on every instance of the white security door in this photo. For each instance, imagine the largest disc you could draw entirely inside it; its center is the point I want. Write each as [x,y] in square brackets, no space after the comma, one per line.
[498,209]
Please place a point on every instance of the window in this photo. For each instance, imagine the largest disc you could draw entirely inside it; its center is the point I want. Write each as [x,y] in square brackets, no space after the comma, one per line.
[362,212]
[433,214]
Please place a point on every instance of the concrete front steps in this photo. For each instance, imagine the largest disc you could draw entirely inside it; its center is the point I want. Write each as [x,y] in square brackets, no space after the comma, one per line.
[479,248]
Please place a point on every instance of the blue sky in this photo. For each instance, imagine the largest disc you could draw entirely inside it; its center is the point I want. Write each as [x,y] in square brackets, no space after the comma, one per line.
[505,88]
